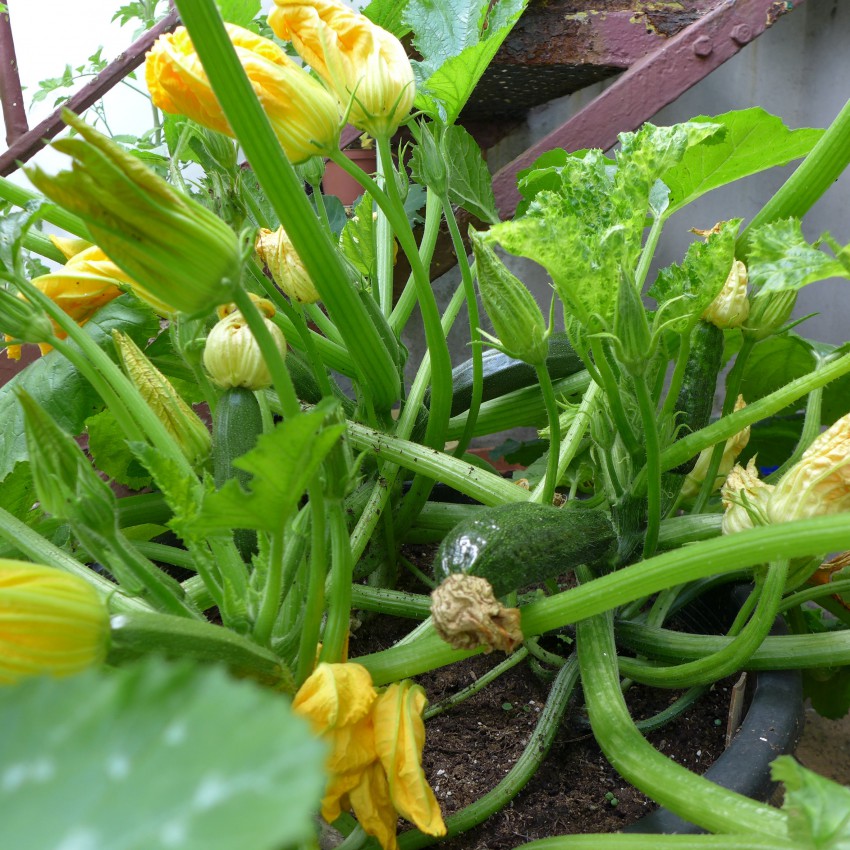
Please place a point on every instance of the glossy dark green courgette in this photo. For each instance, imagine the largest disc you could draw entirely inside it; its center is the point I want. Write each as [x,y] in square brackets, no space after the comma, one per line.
[503,374]
[515,545]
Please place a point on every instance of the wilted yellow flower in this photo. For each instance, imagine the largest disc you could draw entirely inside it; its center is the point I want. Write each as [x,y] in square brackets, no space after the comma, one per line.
[819,483]
[303,114]
[376,742]
[734,446]
[51,623]
[731,307]
[743,495]
[365,66]
[178,251]
[232,356]
[276,250]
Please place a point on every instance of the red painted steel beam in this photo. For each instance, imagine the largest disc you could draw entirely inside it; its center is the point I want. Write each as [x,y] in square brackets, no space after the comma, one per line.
[11,96]
[650,84]
[26,146]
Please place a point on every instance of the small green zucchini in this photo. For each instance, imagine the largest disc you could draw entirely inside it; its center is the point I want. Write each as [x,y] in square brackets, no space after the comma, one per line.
[696,396]
[503,374]
[515,545]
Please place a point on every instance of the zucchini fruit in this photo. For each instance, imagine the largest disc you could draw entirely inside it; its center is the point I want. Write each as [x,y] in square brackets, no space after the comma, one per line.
[503,374]
[512,546]
[236,426]
[696,396]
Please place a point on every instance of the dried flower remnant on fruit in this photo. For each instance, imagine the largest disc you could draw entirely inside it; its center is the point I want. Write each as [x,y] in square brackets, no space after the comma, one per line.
[819,483]
[275,249]
[376,742]
[467,615]
[744,496]
[303,115]
[731,307]
[365,66]
[51,623]
[234,359]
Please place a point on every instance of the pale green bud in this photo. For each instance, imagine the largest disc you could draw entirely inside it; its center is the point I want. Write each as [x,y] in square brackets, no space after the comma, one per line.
[769,311]
[232,356]
[744,496]
[181,422]
[634,342]
[516,318]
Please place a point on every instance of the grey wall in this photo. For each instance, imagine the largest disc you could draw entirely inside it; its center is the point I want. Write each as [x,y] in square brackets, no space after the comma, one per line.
[799,70]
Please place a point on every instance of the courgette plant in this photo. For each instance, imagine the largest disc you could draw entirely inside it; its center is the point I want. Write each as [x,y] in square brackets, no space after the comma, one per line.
[254,540]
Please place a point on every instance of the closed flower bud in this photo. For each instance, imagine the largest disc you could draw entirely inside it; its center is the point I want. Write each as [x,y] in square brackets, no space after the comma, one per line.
[51,623]
[744,496]
[731,307]
[819,483]
[631,330]
[516,318]
[769,311]
[362,64]
[302,113]
[179,252]
[275,249]
[181,422]
[734,446]
[232,356]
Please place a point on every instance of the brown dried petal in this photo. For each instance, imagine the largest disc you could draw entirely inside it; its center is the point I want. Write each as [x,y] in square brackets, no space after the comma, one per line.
[467,615]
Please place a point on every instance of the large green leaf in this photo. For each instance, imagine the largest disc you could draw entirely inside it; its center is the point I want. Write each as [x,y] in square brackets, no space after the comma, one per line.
[775,362]
[781,258]
[684,291]
[388,14]
[112,455]
[282,464]
[753,141]
[357,240]
[57,385]
[457,40]
[470,183]
[818,809]
[154,756]
[240,12]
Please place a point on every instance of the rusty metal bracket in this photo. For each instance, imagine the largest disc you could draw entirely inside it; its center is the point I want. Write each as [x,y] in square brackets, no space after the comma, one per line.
[11,96]
[650,84]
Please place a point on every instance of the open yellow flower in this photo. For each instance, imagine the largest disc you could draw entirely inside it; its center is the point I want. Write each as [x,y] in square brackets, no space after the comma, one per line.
[376,743]
[87,282]
[364,65]
[303,114]
[51,623]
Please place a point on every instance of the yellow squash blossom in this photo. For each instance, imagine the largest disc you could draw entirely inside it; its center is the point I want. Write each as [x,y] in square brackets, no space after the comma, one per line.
[275,249]
[303,114]
[819,483]
[365,66]
[51,623]
[176,251]
[81,287]
[376,743]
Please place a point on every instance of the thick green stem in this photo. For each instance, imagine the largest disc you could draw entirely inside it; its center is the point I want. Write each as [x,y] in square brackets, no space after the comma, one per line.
[690,796]
[20,197]
[272,591]
[547,492]
[612,395]
[656,842]
[474,329]
[315,601]
[811,428]
[384,246]
[407,300]
[335,640]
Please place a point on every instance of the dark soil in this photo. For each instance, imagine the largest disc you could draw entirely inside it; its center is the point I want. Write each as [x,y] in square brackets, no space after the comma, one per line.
[471,747]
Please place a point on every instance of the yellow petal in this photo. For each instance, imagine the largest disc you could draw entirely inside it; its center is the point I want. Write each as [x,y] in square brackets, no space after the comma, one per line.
[335,695]
[336,801]
[370,800]
[399,741]
[352,746]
